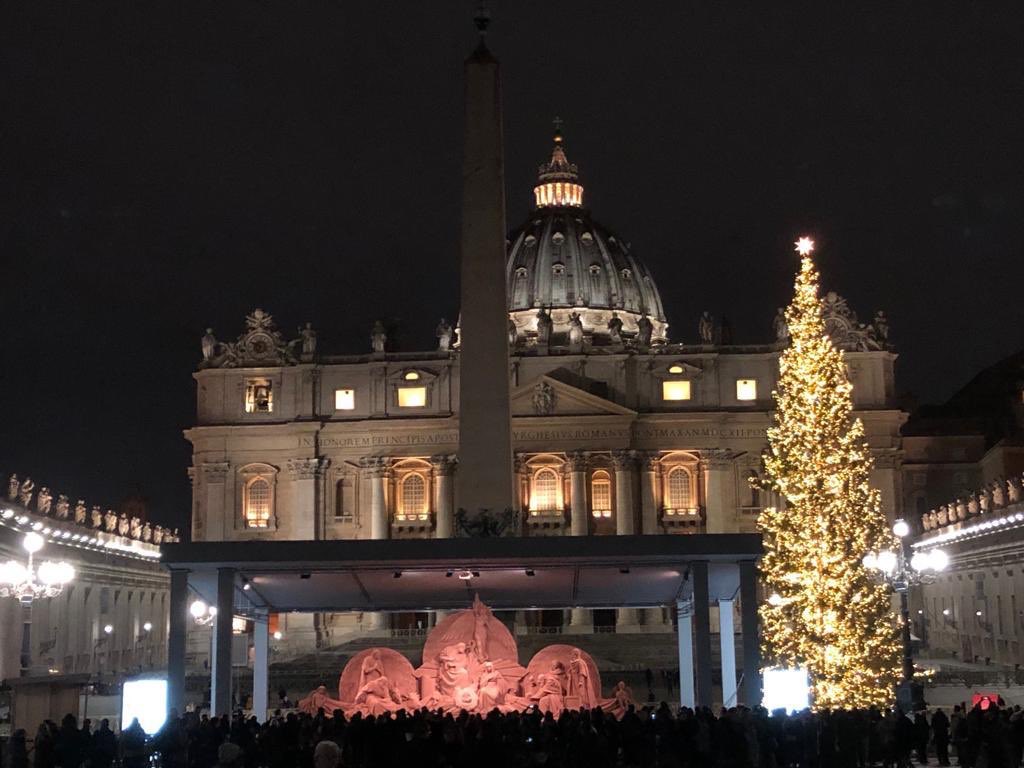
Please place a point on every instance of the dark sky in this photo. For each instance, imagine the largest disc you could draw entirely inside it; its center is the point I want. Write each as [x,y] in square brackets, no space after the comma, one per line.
[170,165]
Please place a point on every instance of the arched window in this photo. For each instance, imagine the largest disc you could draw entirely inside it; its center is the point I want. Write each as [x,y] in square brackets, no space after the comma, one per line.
[601,494]
[413,498]
[545,490]
[678,489]
[256,510]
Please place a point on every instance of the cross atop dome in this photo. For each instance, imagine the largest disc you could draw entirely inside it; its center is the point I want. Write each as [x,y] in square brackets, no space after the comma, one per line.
[559,179]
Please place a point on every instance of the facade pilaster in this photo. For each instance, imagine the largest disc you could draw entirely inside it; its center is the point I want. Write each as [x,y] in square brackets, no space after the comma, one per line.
[218,518]
[624,462]
[443,467]
[305,474]
[719,474]
[376,470]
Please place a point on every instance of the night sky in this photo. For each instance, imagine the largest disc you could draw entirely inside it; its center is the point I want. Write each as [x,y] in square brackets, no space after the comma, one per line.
[168,166]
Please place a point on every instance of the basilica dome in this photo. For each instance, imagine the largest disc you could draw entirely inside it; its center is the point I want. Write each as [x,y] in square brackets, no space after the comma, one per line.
[563,262]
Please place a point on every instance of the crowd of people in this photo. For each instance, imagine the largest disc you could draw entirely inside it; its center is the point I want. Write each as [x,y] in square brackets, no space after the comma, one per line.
[977,737]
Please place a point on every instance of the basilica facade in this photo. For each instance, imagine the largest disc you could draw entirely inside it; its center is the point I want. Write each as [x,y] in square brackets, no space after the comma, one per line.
[617,428]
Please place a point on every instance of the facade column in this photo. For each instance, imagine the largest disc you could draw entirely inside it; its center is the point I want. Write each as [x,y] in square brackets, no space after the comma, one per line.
[375,469]
[581,620]
[727,645]
[176,641]
[702,622]
[304,475]
[220,667]
[751,693]
[886,478]
[720,490]
[443,466]
[261,665]
[684,610]
[650,507]
[624,462]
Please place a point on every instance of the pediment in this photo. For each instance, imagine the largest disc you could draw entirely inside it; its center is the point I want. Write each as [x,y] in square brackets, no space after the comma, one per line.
[547,396]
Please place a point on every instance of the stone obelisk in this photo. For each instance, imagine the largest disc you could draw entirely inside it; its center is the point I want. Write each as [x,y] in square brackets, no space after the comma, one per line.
[484,474]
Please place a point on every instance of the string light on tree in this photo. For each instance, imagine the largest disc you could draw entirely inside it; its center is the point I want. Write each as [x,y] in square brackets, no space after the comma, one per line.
[825,611]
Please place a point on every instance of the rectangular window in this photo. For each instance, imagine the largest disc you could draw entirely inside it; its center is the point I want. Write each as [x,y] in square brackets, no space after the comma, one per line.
[412,397]
[675,390]
[259,397]
[344,399]
[746,389]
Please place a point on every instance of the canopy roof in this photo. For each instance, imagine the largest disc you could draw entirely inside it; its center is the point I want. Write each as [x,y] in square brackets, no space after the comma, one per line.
[425,574]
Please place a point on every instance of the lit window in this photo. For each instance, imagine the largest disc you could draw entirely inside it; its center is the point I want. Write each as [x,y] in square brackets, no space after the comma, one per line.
[412,376]
[678,489]
[238,625]
[344,399]
[545,491]
[413,501]
[675,390]
[259,398]
[412,397]
[601,494]
[675,368]
[257,503]
[746,389]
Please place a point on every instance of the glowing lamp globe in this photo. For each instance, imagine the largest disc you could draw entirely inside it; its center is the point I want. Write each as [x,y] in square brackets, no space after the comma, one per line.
[32,543]
[901,528]
[940,560]
[198,609]
[886,562]
[13,573]
[870,561]
[921,561]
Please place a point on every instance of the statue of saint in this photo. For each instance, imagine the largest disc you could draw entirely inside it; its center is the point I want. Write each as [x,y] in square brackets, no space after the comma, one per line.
[444,333]
[481,617]
[147,532]
[158,534]
[123,525]
[780,325]
[621,701]
[579,679]
[12,488]
[308,336]
[97,517]
[135,528]
[548,692]
[544,326]
[378,697]
[378,337]
[645,329]
[615,329]
[371,669]
[706,328]
[881,325]
[80,512]
[44,500]
[63,507]
[513,334]
[110,521]
[575,330]
[209,345]
[25,492]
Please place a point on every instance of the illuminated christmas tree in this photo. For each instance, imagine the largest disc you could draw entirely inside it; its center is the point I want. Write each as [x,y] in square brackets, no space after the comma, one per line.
[824,611]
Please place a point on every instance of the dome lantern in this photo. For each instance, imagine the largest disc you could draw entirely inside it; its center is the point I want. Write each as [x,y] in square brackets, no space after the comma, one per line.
[558,179]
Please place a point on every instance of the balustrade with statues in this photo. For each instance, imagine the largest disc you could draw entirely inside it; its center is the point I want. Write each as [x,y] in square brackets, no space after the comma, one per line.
[994,503]
[470,663]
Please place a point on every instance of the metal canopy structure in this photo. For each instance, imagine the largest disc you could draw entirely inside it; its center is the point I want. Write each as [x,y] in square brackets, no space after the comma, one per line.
[257,578]
[422,575]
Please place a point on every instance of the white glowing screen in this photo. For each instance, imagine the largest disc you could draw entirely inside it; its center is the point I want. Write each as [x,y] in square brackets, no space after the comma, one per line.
[786,689]
[146,700]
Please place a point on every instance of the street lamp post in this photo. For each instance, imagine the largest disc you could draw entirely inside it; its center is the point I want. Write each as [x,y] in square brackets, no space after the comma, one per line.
[902,571]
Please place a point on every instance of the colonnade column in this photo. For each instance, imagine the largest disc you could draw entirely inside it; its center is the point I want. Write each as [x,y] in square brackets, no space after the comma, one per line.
[580,619]
[684,610]
[261,665]
[376,469]
[443,466]
[751,693]
[625,521]
[220,671]
[176,640]
[702,620]
[727,645]
[720,490]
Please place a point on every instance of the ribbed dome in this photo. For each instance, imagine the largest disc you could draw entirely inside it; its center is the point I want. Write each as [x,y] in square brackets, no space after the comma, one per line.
[564,261]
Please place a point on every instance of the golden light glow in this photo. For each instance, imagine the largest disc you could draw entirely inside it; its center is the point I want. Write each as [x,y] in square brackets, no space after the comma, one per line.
[675,390]
[558,193]
[746,389]
[675,368]
[826,612]
[412,376]
[259,396]
[412,397]
[804,246]
[344,399]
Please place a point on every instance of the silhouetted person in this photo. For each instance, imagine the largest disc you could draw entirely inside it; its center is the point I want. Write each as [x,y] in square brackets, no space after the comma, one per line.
[940,734]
